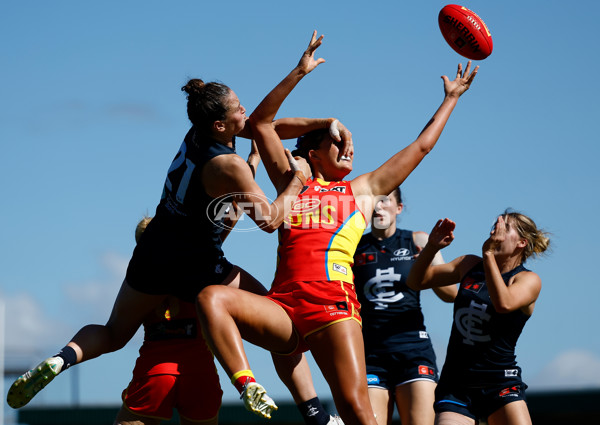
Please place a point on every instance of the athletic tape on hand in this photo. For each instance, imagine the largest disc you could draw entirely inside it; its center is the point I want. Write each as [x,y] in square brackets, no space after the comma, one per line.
[334,131]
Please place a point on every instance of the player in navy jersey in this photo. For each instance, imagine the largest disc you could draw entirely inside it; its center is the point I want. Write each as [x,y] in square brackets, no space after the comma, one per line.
[401,363]
[180,252]
[480,378]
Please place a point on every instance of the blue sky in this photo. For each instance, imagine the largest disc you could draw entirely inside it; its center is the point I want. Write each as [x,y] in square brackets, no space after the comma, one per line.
[92,114]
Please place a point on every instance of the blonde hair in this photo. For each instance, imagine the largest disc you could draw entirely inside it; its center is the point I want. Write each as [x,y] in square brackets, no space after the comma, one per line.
[538,240]
[141,226]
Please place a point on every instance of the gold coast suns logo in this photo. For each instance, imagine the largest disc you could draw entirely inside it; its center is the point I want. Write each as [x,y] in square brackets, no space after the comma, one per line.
[305,205]
[311,213]
[328,210]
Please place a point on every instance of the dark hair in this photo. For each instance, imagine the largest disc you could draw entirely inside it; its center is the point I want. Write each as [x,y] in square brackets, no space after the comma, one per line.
[206,103]
[310,141]
[398,194]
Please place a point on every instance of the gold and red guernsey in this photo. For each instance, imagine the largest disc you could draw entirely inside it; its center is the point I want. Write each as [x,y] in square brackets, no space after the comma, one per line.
[318,239]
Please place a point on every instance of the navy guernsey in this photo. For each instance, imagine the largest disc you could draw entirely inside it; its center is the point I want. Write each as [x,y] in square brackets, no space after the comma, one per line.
[180,251]
[184,198]
[391,311]
[481,350]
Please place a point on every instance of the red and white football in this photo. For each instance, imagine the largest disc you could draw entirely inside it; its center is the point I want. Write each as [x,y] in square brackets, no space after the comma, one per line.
[465,32]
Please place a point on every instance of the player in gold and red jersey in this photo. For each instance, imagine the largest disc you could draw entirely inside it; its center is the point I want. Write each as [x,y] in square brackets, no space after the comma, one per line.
[323,229]
[312,303]
[175,370]
[316,248]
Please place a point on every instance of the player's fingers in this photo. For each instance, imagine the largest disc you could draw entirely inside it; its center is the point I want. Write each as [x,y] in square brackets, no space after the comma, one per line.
[289,156]
[468,68]
[315,45]
[448,224]
[315,42]
[473,74]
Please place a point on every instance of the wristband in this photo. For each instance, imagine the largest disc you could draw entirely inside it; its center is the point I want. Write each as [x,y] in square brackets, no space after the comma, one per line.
[334,131]
[241,373]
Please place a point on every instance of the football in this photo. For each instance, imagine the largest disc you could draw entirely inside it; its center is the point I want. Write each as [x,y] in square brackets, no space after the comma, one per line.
[465,32]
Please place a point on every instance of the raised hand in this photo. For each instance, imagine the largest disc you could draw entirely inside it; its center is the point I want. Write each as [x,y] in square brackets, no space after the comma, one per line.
[442,234]
[497,236]
[462,82]
[340,133]
[307,61]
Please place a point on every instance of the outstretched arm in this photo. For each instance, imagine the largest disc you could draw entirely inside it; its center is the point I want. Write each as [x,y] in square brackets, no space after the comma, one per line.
[423,274]
[267,139]
[445,293]
[292,128]
[395,170]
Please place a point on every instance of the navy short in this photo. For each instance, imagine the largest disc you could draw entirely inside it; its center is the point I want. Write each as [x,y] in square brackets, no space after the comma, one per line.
[477,403]
[411,361]
[170,263]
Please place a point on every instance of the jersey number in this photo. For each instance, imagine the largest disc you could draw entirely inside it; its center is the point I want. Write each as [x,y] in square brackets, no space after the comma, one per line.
[181,166]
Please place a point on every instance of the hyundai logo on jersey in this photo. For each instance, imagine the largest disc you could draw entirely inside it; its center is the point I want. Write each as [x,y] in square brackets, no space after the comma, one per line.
[402,252]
